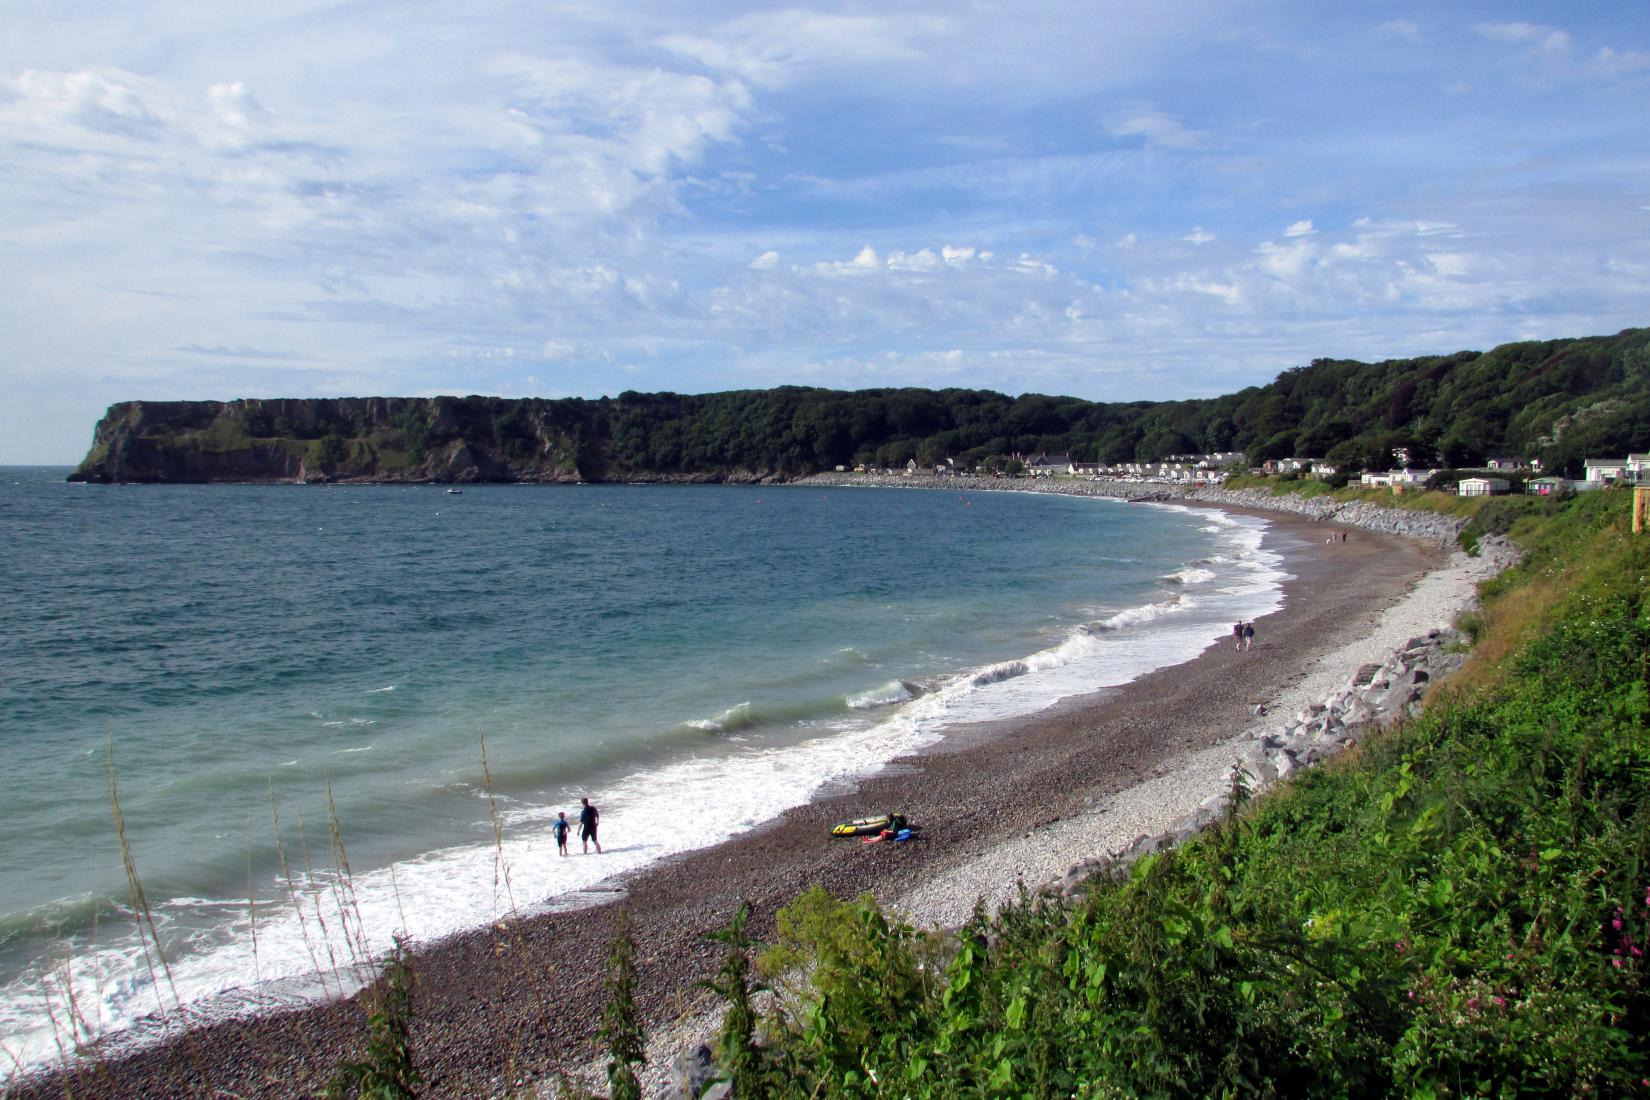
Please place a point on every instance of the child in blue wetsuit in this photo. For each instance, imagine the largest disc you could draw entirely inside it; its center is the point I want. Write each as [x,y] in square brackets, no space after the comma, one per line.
[561,828]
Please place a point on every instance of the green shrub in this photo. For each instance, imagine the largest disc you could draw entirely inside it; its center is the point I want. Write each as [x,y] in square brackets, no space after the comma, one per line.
[328,452]
[387,1071]
[621,1028]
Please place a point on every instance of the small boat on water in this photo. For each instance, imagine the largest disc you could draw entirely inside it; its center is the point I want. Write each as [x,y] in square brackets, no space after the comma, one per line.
[454,492]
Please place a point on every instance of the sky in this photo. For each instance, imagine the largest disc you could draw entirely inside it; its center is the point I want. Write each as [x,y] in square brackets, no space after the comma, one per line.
[1106,199]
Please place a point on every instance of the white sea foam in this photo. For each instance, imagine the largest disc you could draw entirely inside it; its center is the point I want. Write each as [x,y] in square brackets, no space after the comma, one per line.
[734,717]
[1136,616]
[894,691]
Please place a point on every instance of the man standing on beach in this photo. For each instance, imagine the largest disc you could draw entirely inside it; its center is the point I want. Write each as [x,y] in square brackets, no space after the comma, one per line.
[561,828]
[1237,634]
[588,819]
[1248,643]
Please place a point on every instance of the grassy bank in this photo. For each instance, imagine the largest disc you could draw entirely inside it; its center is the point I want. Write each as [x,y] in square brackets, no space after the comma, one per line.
[1459,909]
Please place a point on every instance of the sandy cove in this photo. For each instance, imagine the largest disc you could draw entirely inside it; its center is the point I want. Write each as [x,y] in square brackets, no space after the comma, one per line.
[518,1003]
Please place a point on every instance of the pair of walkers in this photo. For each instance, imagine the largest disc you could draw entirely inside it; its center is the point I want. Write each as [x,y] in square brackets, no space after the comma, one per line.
[589,818]
[1243,635]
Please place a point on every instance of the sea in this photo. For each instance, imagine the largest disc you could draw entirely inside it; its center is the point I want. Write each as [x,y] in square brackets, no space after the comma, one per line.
[251,733]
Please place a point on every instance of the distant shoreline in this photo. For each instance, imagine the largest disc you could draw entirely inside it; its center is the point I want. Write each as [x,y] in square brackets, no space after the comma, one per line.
[529,995]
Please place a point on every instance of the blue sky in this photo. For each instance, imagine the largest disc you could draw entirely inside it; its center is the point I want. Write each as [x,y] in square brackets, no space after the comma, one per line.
[1112,200]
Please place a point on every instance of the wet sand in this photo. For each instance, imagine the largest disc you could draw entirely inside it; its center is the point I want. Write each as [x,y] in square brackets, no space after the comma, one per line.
[519,1002]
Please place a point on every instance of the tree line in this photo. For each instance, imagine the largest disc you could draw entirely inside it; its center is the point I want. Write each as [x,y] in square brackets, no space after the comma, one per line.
[1558,400]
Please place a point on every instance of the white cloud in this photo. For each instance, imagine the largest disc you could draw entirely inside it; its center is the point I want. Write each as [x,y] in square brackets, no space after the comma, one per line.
[1285,261]
[766,262]
[922,260]
[106,102]
[1156,128]
[239,353]
[1199,235]
[1030,265]
[1611,62]
[645,120]
[1301,228]
[1548,40]
[1451,265]
[1400,28]
[773,49]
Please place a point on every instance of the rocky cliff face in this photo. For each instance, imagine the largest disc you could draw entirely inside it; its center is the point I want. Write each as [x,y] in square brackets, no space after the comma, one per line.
[378,439]
[343,439]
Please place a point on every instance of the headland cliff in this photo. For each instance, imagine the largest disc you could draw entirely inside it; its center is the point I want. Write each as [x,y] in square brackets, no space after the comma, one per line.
[376,439]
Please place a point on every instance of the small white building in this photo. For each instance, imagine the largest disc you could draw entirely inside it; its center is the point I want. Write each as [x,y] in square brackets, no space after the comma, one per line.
[1047,465]
[1605,469]
[1482,486]
[1546,486]
[1398,479]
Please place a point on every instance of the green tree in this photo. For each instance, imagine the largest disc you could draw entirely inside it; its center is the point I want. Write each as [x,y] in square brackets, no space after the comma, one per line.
[328,452]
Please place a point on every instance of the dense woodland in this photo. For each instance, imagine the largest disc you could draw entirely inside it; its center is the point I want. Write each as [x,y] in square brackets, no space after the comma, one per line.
[1559,400]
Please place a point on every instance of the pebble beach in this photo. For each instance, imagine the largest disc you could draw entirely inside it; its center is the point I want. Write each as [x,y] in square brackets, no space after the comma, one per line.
[516,1005]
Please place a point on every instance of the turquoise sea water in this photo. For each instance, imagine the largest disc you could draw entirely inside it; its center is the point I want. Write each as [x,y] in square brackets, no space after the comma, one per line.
[697,659]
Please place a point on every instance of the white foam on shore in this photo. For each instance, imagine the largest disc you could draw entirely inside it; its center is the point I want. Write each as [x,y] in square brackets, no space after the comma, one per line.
[1151,807]
[894,691]
[311,937]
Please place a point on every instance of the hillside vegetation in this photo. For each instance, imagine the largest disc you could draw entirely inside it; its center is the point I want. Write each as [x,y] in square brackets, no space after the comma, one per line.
[1459,909]
[1559,400]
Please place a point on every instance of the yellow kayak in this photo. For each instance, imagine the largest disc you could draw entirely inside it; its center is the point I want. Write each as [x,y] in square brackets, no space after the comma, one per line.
[869,826]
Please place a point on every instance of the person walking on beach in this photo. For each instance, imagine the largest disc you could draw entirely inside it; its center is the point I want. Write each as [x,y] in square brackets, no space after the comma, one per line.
[561,829]
[1248,638]
[589,817]
[1237,634]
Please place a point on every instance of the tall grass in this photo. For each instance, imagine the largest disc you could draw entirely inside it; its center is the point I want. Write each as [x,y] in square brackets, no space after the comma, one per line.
[153,952]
